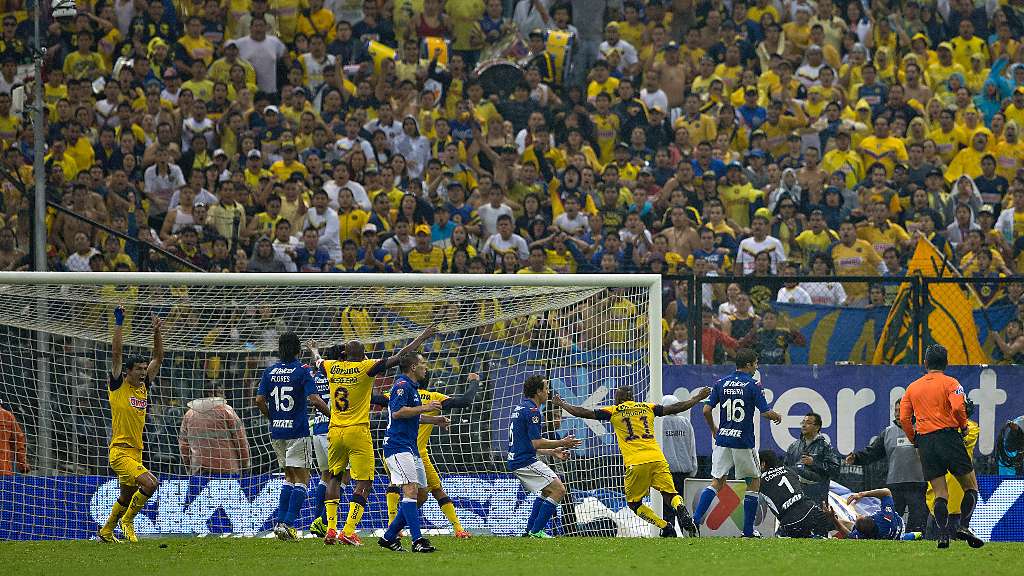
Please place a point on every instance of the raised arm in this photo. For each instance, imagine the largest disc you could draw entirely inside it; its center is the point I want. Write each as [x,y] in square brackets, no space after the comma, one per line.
[388,363]
[411,411]
[876,493]
[116,346]
[311,345]
[319,404]
[686,404]
[465,399]
[158,349]
[577,411]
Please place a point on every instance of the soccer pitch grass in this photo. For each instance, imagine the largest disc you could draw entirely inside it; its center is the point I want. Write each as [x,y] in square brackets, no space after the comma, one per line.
[489,556]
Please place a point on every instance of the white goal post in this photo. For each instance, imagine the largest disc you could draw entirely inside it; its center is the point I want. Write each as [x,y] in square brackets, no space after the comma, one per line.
[207,443]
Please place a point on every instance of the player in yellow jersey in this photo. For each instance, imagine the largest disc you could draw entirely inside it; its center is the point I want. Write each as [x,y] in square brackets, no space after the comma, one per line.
[646,466]
[463,400]
[348,438]
[128,393]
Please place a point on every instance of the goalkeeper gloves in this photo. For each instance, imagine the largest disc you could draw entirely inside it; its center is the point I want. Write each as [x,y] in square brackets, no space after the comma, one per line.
[119,316]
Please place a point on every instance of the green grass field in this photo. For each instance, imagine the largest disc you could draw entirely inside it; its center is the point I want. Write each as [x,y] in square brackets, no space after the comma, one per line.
[484,556]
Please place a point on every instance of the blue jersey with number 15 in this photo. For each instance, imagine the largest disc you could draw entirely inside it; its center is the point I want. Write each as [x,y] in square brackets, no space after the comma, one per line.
[286,387]
[737,395]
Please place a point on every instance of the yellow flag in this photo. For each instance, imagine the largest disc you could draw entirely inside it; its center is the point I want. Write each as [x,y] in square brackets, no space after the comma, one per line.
[947,314]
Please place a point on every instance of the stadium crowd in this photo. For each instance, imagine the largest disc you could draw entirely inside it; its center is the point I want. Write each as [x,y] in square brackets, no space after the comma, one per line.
[717,137]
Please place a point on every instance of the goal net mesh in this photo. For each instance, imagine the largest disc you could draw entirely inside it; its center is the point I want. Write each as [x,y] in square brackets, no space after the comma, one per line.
[209,445]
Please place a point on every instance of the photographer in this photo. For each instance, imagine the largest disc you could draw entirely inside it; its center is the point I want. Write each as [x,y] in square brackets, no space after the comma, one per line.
[813,458]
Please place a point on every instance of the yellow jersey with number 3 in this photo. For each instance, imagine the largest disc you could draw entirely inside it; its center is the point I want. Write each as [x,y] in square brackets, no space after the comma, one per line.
[351,385]
[633,423]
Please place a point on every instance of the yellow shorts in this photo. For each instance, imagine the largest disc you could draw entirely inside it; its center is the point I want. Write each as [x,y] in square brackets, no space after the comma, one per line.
[351,446]
[640,478]
[127,464]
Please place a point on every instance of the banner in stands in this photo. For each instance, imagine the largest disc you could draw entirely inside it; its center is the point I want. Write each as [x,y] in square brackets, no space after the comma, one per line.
[840,334]
[855,402]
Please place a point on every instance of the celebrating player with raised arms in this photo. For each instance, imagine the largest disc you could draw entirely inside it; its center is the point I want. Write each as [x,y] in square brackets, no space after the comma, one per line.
[646,466]
[348,436]
[737,395]
[405,412]
[525,443]
[128,393]
[288,384]
[463,400]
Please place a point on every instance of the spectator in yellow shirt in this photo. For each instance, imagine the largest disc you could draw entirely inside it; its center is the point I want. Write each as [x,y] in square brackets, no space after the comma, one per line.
[883,148]
[881,233]
[967,162]
[425,257]
[967,44]
[537,263]
[84,63]
[288,164]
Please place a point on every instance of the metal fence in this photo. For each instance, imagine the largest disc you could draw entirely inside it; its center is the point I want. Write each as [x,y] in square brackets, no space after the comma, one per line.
[846,318]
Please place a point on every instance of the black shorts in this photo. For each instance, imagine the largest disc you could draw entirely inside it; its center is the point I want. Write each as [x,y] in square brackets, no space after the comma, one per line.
[808,521]
[943,451]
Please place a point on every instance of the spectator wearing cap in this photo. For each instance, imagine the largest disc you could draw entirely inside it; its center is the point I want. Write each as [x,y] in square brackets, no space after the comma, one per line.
[373,257]
[220,70]
[288,165]
[425,257]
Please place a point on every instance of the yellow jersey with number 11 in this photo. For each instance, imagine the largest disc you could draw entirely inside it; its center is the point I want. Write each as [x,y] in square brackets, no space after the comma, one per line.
[633,423]
[351,385]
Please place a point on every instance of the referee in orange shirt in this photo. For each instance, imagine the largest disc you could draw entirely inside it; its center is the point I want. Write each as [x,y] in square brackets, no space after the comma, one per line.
[932,414]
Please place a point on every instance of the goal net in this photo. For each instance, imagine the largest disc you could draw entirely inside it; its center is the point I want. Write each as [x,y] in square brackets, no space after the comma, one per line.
[207,442]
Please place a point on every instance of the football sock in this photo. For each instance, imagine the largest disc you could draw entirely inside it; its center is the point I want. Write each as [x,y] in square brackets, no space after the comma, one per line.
[283,501]
[136,505]
[449,512]
[533,514]
[295,504]
[644,512]
[967,507]
[355,513]
[411,512]
[394,496]
[941,514]
[331,511]
[548,507]
[750,502]
[115,514]
[676,501]
[707,496]
[395,526]
[319,495]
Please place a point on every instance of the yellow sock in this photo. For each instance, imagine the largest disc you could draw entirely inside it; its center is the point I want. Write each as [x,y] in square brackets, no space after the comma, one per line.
[449,511]
[355,513]
[393,500]
[135,506]
[647,514]
[332,513]
[115,514]
[676,501]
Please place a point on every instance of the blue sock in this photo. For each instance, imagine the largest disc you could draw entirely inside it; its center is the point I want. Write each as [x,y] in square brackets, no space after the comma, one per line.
[412,517]
[318,500]
[548,507]
[295,504]
[282,503]
[395,528]
[750,502]
[533,513]
[707,496]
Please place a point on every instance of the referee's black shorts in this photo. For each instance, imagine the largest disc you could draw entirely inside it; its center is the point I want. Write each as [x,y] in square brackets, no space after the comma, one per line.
[943,451]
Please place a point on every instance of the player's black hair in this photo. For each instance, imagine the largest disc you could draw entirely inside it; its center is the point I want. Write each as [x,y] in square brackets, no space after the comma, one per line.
[936,357]
[745,357]
[533,385]
[406,362]
[335,352]
[623,394]
[288,346]
[769,459]
[866,526]
[134,360]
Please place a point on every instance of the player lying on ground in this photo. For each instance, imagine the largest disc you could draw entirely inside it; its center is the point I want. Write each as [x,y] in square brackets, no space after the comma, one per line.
[405,413]
[886,524]
[349,441]
[738,396]
[525,443]
[798,516]
[128,393]
[646,466]
[290,386]
[463,400]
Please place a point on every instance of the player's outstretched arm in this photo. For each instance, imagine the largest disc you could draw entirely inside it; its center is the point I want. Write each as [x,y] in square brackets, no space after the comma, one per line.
[844,527]
[319,404]
[577,411]
[464,400]
[569,441]
[311,345]
[117,345]
[411,411]
[687,404]
[158,349]
[772,415]
[876,493]
[388,363]
[441,421]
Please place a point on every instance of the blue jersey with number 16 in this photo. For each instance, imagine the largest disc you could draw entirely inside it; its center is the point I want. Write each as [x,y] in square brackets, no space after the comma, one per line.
[737,396]
[286,385]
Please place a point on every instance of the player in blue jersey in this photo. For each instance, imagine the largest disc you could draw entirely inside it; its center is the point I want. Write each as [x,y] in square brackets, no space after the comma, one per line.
[737,396]
[318,426]
[886,524]
[402,454]
[289,386]
[525,443]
